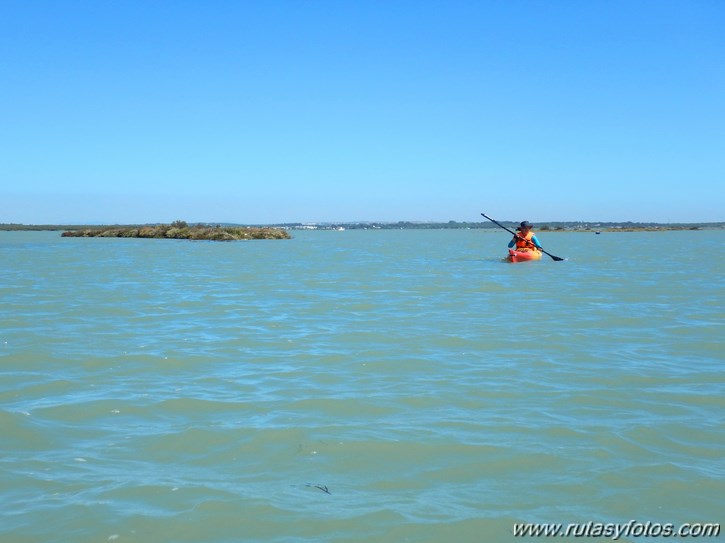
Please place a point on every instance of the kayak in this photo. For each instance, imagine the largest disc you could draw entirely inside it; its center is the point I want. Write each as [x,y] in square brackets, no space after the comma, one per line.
[523,256]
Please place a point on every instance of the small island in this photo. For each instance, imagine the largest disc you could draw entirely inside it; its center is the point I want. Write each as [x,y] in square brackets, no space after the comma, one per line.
[181,230]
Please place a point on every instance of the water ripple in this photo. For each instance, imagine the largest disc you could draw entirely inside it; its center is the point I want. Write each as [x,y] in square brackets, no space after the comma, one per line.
[157,391]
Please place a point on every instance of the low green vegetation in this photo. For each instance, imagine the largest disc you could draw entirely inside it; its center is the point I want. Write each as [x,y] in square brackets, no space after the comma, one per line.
[181,230]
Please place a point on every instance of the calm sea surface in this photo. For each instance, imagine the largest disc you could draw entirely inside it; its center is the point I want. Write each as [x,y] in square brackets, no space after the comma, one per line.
[380,386]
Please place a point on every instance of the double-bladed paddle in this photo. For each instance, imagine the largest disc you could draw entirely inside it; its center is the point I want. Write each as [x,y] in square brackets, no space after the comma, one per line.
[555,258]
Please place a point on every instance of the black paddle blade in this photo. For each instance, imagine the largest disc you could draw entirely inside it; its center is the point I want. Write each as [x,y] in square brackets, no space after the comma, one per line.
[553,257]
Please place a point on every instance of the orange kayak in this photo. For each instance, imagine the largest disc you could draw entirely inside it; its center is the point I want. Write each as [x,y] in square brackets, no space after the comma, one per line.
[523,256]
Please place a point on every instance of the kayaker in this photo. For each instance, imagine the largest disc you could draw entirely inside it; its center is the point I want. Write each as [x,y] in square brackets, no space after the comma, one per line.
[525,238]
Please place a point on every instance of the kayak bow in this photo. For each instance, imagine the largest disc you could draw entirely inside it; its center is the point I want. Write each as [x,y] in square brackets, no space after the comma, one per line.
[523,256]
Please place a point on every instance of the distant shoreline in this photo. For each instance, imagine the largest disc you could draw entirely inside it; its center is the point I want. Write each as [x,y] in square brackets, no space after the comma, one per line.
[230,231]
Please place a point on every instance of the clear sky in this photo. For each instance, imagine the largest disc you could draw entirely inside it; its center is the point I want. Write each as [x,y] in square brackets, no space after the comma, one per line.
[373,110]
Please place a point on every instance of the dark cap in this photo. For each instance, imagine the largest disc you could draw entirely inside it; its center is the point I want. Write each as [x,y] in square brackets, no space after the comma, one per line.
[526,224]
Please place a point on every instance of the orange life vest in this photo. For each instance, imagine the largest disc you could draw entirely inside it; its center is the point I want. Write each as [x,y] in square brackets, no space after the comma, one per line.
[527,245]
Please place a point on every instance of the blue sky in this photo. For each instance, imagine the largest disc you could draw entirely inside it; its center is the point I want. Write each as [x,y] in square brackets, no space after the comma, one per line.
[286,111]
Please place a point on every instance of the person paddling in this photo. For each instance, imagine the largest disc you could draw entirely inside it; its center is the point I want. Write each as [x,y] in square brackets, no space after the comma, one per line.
[525,240]
[553,257]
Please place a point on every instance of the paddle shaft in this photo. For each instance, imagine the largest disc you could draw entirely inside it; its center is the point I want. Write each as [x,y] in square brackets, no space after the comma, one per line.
[556,258]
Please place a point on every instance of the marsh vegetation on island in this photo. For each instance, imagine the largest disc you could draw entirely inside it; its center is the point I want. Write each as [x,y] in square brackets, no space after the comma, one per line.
[181,230]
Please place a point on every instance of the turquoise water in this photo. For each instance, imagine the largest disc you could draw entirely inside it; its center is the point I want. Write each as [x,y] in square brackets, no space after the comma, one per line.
[357,386]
